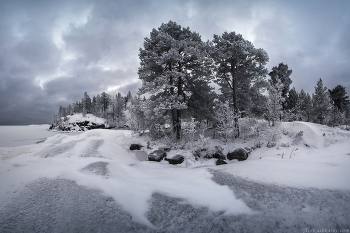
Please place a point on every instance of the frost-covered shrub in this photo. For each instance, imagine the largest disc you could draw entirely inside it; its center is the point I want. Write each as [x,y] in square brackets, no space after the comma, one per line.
[189,130]
[225,121]
[272,136]
[161,131]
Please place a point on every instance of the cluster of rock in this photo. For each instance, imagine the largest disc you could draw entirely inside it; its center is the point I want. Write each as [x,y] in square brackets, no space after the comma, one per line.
[158,155]
[78,126]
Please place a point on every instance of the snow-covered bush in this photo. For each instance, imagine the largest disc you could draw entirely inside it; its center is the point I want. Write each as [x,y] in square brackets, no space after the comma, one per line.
[272,135]
[225,117]
[189,130]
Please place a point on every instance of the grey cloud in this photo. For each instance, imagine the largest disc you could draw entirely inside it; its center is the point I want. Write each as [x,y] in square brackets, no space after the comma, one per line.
[312,37]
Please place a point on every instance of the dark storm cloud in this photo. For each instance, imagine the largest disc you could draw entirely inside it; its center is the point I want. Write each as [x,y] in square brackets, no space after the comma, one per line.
[51,52]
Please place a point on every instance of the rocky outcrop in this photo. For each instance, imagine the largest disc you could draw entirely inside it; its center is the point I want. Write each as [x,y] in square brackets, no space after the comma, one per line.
[216,153]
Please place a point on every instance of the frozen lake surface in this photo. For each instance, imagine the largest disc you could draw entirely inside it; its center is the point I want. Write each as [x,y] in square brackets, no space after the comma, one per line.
[20,135]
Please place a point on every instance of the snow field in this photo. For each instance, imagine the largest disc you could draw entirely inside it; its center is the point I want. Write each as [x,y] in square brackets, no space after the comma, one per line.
[130,182]
[100,160]
[322,164]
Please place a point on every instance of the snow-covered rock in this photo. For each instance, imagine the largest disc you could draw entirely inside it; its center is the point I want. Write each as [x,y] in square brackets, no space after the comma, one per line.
[157,155]
[177,159]
[220,162]
[78,122]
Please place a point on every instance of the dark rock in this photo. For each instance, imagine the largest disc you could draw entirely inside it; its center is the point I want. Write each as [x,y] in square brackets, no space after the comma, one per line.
[219,155]
[157,155]
[240,154]
[135,147]
[220,162]
[177,159]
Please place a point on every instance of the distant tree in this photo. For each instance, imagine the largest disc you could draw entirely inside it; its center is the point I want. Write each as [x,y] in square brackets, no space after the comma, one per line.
[275,102]
[340,100]
[257,99]
[105,101]
[70,110]
[303,105]
[281,73]
[321,102]
[292,98]
[308,106]
[238,65]
[172,57]
[94,105]
[119,108]
[86,101]
[292,105]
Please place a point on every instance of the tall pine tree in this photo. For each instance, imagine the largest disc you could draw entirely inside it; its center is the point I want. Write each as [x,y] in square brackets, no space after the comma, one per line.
[321,102]
[281,73]
[238,65]
[172,57]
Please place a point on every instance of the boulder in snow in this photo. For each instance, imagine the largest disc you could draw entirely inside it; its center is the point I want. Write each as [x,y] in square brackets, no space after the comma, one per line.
[135,147]
[219,155]
[157,155]
[220,162]
[177,159]
[240,154]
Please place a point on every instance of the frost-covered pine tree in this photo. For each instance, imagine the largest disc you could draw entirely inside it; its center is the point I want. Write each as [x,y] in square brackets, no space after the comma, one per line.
[238,65]
[282,74]
[274,105]
[171,58]
[322,103]
[292,105]
[86,101]
[225,120]
[339,97]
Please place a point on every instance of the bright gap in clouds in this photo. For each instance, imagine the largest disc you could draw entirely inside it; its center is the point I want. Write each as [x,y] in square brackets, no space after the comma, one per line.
[65,22]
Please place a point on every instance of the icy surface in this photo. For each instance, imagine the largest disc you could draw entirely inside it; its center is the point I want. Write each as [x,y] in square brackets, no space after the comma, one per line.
[23,135]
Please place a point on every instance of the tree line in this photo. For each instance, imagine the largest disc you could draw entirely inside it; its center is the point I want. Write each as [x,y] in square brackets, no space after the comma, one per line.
[178,70]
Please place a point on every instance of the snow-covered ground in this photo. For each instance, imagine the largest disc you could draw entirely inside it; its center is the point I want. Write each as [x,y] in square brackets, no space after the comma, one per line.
[91,182]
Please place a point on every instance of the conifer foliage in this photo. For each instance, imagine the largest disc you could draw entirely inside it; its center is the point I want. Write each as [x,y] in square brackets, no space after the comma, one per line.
[178,70]
[173,57]
[322,104]
[238,65]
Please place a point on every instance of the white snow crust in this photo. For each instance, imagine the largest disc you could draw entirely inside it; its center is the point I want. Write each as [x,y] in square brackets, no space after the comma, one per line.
[100,159]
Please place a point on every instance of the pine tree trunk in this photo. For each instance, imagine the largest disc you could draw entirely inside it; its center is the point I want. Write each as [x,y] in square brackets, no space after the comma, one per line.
[234,98]
[173,110]
[178,111]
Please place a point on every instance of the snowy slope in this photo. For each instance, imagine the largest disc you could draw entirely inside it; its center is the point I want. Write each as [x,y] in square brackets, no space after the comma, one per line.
[323,163]
[96,159]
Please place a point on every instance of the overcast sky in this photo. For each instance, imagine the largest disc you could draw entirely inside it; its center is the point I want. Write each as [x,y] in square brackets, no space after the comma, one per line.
[51,52]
